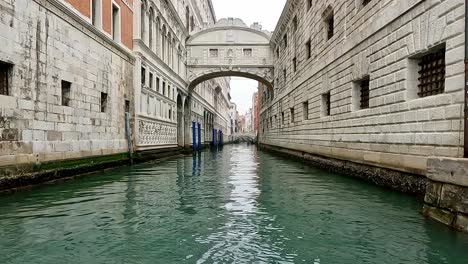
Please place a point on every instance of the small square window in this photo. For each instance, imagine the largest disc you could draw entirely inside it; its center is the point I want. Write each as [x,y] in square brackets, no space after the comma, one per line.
[103,102]
[66,89]
[292,114]
[213,53]
[305,110]
[247,52]
[326,104]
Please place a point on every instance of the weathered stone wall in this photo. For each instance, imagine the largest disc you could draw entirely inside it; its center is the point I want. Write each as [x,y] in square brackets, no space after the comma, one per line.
[47,43]
[399,130]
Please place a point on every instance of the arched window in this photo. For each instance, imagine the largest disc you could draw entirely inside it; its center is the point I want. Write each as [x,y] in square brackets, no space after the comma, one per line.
[158,38]
[169,48]
[163,43]
[142,20]
[150,31]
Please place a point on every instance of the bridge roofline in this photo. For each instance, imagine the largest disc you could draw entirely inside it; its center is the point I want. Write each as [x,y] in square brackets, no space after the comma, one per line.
[222,28]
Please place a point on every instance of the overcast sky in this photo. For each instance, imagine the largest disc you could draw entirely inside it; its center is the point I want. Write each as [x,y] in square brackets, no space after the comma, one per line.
[267,12]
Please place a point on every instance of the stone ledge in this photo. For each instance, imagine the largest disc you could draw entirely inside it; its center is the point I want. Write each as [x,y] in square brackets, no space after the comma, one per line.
[448,170]
[392,179]
[24,176]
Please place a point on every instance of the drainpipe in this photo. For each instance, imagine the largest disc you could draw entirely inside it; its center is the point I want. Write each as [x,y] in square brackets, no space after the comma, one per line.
[466,83]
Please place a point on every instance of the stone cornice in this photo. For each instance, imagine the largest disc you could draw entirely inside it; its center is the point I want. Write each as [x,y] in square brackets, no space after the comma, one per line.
[211,29]
[61,10]
[158,60]
[283,20]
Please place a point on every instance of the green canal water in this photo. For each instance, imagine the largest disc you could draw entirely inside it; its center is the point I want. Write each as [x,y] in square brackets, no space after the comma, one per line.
[238,205]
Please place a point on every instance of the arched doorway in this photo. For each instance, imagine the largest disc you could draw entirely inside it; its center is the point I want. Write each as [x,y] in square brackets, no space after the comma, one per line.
[180,122]
[187,122]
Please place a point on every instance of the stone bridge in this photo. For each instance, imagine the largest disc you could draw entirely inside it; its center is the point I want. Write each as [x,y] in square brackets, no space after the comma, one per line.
[230,48]
[244,137]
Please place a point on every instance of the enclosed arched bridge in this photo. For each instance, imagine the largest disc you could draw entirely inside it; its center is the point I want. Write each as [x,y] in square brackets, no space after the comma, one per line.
[230,48]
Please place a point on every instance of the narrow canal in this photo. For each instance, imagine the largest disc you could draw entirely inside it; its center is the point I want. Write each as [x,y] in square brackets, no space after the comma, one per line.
[237,205]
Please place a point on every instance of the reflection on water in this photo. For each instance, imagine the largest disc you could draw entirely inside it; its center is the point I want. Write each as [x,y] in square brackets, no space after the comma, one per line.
[234,205]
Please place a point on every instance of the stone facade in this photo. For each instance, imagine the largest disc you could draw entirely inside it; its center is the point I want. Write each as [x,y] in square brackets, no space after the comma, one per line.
[167,107]
[326,52]
[69,83]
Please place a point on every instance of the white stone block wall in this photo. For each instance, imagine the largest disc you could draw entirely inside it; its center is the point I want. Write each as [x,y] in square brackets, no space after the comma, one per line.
[46,45]
[399,130]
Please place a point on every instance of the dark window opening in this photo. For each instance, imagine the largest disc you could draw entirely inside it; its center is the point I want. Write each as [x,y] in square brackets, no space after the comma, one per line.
[157,84]
[151,80]
[295,24]
[364,89]
[308,4]
[365,2]
[103,102]
[305,110]
[66,89]
[143,76]
[326,104]
[164,88]
[127,106]
[5,73]
[309,49]
[432,74]
[282,118]
[292,114]
[285,40]
[330,23]
[294,64]
[284,75]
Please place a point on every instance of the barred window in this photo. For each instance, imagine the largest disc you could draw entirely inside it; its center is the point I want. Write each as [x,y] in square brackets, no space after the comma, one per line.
[5,71]
[213,52]
[364,89]
[432,74]
[326,104]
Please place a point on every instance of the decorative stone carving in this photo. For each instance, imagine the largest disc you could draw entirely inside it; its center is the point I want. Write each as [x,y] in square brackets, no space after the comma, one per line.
[156,133]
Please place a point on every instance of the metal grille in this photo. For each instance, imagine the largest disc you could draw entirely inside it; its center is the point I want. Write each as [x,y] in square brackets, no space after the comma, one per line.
[432,74]
[4,69]
[365,93]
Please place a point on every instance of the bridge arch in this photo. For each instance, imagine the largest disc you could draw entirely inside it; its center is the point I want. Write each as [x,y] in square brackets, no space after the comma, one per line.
[230,48]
